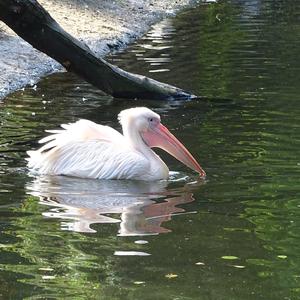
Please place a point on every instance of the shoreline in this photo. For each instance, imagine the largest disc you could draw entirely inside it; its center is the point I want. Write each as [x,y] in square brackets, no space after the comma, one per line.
[104,26]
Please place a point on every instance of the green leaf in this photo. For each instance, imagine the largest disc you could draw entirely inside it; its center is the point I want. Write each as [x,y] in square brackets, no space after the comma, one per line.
[229,257]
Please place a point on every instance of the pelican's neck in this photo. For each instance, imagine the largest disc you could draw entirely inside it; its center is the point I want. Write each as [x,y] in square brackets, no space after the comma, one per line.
[134,138]
[158,169]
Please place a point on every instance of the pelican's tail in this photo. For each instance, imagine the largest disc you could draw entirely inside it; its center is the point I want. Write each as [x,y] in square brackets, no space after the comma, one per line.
[42,159]
[60,142]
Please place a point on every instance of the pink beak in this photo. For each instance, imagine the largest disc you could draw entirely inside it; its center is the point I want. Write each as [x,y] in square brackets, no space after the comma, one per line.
[161,137]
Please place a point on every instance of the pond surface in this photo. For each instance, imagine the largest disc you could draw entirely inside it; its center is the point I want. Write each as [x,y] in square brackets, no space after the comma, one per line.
[234,236]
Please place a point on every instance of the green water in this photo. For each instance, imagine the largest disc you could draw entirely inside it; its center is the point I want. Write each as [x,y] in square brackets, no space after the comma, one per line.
[234,236]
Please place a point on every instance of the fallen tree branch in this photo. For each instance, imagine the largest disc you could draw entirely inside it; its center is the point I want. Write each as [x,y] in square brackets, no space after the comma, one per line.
[35,25]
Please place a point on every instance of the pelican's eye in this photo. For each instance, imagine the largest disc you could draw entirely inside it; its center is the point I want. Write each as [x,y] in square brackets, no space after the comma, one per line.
[153,121]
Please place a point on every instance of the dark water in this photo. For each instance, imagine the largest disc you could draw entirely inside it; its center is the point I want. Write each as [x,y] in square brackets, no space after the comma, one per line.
[235,236]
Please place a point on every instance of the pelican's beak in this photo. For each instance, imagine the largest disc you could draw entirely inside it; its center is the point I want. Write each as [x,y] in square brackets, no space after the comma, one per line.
[161,137]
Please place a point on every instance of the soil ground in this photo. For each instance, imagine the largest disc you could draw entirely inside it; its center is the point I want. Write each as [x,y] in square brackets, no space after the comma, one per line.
[103,25]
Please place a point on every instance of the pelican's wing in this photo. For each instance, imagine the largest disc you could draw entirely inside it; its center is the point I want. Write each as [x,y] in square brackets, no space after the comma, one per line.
[90,159]
[82,130]
[86,149]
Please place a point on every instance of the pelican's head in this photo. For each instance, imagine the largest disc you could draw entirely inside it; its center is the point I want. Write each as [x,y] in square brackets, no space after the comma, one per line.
[154,134]
[140,118]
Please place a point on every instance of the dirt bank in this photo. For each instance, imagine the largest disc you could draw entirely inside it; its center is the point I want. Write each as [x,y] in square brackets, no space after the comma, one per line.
[103,25]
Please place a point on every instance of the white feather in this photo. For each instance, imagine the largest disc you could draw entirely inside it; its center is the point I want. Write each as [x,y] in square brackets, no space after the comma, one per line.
[92,159]
[89,150]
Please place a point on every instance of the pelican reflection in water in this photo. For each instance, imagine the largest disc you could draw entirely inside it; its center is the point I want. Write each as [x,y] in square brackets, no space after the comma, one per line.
[139,206]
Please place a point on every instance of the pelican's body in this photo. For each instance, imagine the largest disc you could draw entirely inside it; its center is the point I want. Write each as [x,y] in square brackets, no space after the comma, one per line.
[89,150]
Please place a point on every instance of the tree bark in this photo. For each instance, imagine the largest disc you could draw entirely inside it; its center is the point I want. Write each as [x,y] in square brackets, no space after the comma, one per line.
[35,25]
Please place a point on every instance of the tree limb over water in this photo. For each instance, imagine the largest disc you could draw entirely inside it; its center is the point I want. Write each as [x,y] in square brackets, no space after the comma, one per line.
[35,25]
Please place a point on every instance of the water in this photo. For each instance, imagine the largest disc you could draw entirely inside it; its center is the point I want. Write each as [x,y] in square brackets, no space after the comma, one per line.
[234,236]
